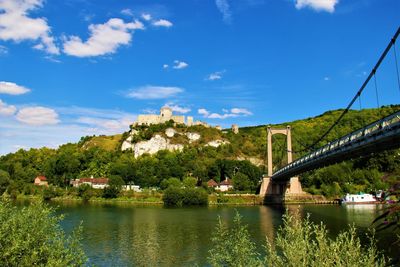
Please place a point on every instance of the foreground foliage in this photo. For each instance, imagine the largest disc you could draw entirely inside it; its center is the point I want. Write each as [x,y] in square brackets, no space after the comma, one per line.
[32,236]
[298,243]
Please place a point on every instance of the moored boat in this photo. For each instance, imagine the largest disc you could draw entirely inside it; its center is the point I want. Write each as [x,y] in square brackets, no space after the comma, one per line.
[360,198]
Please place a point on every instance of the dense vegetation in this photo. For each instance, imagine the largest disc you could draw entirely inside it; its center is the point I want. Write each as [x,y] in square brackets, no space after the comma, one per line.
[101,157]
[32,236]
[298,243]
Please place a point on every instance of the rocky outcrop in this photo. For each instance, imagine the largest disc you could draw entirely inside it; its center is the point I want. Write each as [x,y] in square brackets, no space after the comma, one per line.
[152,146]
[170,132]
[253,160]
[127,144]
[217,143]
[193,137]
[158,142]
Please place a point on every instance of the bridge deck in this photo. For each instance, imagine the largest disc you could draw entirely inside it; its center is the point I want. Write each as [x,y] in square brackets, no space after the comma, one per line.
[380,135]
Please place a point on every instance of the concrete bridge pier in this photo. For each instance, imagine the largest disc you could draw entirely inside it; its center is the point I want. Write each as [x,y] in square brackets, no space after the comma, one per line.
[278,191]
[281,188]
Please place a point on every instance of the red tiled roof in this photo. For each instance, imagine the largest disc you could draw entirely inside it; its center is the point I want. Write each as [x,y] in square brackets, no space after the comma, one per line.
[212,183]
[42,178]
[226,182]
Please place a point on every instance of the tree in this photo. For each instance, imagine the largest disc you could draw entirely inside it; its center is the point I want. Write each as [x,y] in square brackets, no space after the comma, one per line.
[241,182]
[32,236]
[189,182]
[170,182]
[114,187]
[4,181]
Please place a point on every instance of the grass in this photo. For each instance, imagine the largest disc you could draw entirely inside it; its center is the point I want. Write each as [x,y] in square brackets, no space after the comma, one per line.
[109,143]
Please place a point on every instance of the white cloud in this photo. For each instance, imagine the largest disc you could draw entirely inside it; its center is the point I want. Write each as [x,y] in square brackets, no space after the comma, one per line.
[17,26]
[318,5]
[146,17]
[224,8]
[180,64]
[241,111]
[127,12]
[203,111]
[104,38]
[165,66]
[37,116]
[12,88]
[154,92]
[177,108]
[3,50]
[162,23]
[150,111]
[215,76]
[76,121]
[234,112]
[7,110]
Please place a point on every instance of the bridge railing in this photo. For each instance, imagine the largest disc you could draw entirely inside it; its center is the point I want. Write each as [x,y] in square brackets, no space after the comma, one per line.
[368,131]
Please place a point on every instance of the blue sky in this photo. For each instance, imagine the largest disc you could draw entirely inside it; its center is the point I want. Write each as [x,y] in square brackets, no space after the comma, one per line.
[80,67]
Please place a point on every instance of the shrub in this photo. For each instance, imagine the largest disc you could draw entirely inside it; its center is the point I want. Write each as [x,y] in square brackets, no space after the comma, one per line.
[178,197]
[233,247]
[194,197]
[32,236]
[111,192]
[298,243]
[173,197]
[50,192]
[85,192]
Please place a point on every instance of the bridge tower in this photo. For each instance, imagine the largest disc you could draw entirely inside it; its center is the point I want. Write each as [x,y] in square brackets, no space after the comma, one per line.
[270,187]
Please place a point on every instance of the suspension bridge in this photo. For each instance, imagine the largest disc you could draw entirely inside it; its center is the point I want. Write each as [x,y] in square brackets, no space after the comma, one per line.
[381,135]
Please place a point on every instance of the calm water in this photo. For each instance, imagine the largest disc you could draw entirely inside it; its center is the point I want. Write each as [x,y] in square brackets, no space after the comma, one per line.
[116,235]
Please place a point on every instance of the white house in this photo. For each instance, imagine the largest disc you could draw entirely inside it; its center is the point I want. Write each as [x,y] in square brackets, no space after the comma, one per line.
[97,183]
[225,185]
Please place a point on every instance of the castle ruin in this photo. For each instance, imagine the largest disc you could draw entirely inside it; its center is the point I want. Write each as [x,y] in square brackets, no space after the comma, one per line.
[164,116]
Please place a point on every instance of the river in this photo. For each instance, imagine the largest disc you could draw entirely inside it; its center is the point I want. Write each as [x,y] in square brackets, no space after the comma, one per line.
[126,235]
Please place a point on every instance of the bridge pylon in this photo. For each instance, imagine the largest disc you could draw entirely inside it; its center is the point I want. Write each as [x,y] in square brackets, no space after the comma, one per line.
[279,189]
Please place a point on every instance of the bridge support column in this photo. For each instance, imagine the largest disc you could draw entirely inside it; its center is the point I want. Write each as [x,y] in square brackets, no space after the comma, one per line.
[266,186]
[294,187]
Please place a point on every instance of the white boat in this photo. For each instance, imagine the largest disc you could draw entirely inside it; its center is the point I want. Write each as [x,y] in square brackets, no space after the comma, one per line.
[359,198]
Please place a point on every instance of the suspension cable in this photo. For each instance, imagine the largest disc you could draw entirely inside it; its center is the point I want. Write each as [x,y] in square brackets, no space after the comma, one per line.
[397,67]
[376,91]
[382,57]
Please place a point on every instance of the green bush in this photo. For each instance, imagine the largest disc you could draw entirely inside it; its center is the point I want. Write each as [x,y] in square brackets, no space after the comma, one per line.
[32,236]
[194,197]
[51,192]
[85,192]
[233,247]
[178,197]
[111,192]
[173,197]
[298,243]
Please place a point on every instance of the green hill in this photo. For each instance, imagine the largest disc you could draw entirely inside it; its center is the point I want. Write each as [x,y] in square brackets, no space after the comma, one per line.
[101,156]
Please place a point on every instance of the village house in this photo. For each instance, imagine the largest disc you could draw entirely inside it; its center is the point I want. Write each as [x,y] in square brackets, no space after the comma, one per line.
[225,185]
[211,183]
[96,183]
[41,181]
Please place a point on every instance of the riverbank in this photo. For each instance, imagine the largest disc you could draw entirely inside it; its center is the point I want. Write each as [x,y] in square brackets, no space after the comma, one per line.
[155,198]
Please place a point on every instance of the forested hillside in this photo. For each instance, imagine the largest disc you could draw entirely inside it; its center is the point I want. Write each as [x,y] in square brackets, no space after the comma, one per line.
[102,157]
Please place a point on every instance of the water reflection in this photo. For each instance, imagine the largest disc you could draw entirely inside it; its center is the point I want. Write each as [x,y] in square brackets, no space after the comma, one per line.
[155,236]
